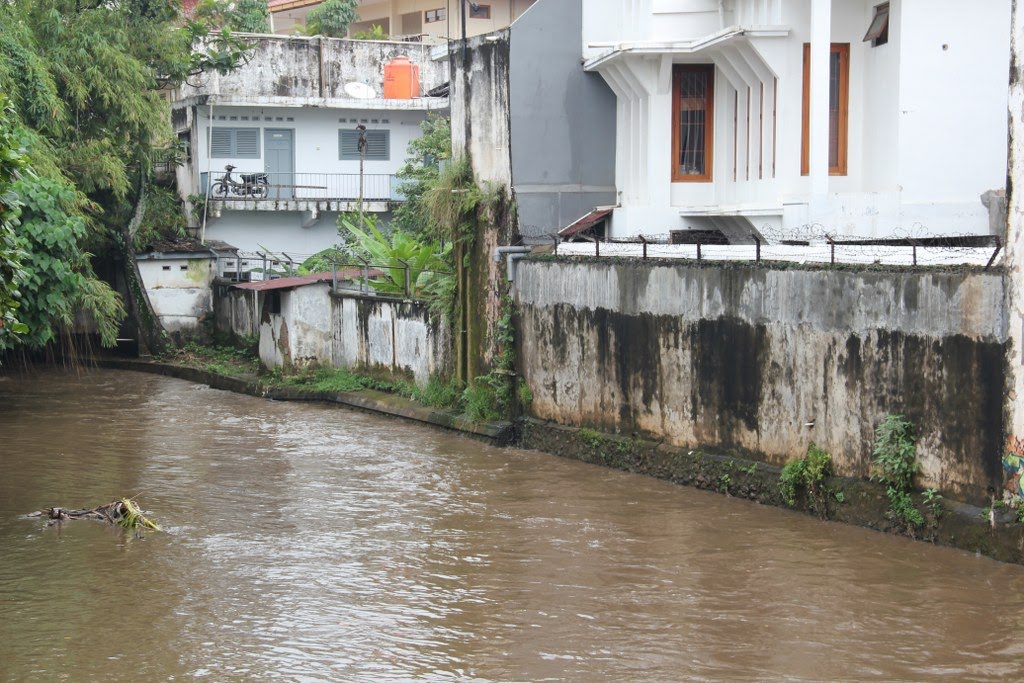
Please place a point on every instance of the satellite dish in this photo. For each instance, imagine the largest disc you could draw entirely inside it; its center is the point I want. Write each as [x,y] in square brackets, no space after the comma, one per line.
[360,91]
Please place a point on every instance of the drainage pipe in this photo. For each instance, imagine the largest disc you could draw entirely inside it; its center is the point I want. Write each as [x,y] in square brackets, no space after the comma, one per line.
[514,254]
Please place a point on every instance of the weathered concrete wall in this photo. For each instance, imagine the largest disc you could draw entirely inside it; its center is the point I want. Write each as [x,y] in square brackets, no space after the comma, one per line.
[180,289]
[235,310]
[290,66]
[762,362]
[397,337]
[480,130]
[344,330]
[1015,244]
[562,122]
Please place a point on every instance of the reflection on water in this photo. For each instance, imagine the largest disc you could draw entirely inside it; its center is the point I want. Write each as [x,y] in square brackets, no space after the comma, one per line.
[311,543]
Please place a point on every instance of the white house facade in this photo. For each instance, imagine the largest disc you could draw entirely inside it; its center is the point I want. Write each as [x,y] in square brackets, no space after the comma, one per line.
[849,117]
[287,123]
[433,21]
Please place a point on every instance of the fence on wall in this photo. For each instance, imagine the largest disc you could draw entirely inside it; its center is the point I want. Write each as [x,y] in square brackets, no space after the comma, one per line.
[813,248]
[353,274]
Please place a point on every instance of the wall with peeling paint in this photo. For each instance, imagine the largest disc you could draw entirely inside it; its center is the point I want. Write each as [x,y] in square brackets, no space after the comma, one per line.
[1014,258]
[763,361]
[304,68]
[395,338]
[179,289]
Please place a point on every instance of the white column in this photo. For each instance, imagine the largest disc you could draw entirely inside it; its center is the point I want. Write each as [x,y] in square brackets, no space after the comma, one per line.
[394,18]
[821,32]
[1014,256]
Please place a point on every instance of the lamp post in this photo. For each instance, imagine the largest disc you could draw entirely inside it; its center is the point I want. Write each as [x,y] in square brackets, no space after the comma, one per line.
[361,146]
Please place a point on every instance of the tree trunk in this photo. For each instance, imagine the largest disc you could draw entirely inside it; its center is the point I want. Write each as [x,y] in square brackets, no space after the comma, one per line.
[153,338]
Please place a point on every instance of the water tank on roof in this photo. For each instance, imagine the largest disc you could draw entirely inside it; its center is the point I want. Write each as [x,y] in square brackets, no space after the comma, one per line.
[401,79]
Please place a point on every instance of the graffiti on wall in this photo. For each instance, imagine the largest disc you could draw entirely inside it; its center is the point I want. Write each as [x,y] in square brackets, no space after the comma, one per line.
[1013,465]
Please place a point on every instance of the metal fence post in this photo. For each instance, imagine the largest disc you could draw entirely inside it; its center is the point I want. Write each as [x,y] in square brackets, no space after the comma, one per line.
[643,240]
[832,247]
[757,241]
[999,245]
[698,249]
[597,247]
[334,276]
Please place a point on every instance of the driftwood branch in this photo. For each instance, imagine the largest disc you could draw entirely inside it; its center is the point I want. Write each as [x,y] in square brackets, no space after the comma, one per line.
[121,512]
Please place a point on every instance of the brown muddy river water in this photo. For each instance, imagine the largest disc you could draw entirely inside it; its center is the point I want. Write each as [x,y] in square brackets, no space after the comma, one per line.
[311,543]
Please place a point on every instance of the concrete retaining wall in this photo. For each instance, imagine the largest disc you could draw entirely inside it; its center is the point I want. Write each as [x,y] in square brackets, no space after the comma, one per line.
[761,361]
[344,330]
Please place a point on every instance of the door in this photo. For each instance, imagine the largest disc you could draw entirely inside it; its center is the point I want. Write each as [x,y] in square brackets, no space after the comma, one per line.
[278,144]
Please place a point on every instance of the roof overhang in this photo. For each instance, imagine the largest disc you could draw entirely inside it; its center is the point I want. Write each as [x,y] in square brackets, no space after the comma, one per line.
[376,103]
[614,52]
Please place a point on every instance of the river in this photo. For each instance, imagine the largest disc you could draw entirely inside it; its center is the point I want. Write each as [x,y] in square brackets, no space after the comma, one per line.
[306,542]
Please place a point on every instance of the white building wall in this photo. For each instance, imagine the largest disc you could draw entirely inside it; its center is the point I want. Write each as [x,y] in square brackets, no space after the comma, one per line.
[315,136]
[913,106]
[179,289]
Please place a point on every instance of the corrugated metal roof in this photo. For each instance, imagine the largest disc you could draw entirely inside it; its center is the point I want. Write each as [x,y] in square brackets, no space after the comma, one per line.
[303,280]
[285,282]
[585,222]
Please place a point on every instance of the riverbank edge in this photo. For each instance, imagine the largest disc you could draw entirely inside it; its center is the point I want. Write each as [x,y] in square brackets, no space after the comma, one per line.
[864,504]
[498,433]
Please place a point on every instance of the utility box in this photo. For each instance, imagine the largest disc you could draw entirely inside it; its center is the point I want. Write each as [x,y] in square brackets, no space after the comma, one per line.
[401,79]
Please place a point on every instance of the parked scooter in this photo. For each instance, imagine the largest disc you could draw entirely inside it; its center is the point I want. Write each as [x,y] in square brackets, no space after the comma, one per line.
[254,185]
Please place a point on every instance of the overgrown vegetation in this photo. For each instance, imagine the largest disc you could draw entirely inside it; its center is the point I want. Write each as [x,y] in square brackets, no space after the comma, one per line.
[84,81]
[331,18]
[246,16]
[375,32]
[895,465]
[426,155]
[222,359]
[493,396]
[806,478]
[425,262]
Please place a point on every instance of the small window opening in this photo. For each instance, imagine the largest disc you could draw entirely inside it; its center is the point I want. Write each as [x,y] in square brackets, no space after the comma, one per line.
[167,267]
[878,31]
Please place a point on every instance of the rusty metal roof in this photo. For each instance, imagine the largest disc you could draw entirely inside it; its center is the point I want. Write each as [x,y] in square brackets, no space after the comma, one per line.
[587,221]
[286,282]
[303,280]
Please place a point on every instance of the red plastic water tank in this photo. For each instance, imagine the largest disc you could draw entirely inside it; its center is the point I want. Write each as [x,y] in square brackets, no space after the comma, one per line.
[401,79]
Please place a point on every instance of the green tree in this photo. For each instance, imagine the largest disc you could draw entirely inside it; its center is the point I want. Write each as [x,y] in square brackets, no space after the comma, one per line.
[332,17]
[422,168]
[246,16]
[84,77]
[12,163]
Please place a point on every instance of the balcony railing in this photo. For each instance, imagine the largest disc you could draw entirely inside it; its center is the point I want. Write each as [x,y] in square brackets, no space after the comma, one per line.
[247,185]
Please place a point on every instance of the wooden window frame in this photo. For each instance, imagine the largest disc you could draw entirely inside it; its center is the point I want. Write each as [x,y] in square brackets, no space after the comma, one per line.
[843,112]
[709,124]
[878,29]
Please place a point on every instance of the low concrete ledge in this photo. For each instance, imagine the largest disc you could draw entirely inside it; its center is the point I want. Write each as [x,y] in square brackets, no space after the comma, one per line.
[498,433]
[864,502]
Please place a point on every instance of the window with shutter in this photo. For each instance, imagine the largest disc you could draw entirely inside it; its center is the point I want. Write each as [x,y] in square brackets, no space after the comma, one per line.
[235,143]
[378,145]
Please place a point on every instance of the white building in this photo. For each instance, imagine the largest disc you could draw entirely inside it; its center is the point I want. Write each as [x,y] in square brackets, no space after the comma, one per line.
[291,113]
[857,117]
[432,21]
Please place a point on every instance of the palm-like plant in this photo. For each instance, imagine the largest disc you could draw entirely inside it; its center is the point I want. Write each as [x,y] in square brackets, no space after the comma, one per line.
[426,262]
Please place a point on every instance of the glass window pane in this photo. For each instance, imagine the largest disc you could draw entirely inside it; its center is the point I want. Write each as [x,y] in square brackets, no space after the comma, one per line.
[693,92]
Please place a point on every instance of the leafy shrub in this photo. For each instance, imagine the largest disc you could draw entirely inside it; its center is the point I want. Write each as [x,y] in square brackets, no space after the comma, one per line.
[895,453]
[807,475]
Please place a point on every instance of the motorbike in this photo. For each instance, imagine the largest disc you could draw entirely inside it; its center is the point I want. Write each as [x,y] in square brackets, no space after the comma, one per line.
[254,185]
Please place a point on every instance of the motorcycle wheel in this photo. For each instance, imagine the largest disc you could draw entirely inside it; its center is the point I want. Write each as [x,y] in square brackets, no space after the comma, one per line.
[219,188]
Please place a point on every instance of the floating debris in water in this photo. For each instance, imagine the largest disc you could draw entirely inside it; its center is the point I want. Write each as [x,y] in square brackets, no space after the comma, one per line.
[123,512]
